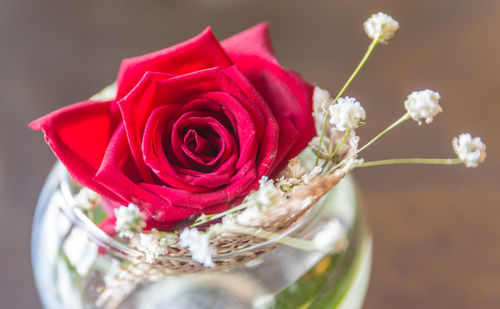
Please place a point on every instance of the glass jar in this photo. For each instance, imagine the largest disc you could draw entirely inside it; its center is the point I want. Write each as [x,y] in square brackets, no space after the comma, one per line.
[73,261]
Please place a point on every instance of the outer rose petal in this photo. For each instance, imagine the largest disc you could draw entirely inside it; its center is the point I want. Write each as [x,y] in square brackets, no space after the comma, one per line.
[108,225]
[196,203]
[288,95]
[121,178]
[252,41]
[201,52]
[78,134]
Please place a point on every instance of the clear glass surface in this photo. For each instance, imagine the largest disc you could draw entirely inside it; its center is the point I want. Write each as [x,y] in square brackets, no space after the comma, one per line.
[72,270]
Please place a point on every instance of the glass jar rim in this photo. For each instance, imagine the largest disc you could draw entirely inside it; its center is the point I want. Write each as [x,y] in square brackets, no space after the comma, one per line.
[78,217]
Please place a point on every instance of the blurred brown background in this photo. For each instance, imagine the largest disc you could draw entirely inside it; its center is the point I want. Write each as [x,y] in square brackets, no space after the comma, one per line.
[436,229]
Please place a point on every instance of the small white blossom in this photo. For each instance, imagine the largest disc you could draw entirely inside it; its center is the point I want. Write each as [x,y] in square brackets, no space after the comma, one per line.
[250,214]
[471,151]
[128,220]
[86,199]
[228,220]
[321,101]
[267,194]
[423,104]
[347,114]
[332,233]
[288,185]
[325,145]
[321,98]
[381,24]
[198,244]
[152,244]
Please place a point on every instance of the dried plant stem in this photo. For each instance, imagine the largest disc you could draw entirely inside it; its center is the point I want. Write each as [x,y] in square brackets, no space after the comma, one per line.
[368,52]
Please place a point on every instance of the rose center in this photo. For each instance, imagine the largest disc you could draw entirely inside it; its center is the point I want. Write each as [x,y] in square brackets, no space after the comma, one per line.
[204,144]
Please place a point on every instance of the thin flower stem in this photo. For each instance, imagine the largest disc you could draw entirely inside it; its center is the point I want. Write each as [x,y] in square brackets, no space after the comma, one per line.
[347,132]
[220,215]
[411,161]
[368,52]
[286,240]
[392,126]
[374,43]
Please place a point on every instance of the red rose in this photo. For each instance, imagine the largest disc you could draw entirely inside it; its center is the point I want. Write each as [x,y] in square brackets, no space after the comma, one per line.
[192,129]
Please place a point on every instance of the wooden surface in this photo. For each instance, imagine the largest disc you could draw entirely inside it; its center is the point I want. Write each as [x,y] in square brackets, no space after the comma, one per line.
[436,229]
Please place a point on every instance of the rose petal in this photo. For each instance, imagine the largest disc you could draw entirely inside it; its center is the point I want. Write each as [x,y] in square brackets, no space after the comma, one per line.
[119,175]
[135,108]
[205,148]
[199,201]
[245,129]
[108,225]
[267,127]
[201,120]
[185,179]
[201,52]
[154,153]
[253,41]
[287,94]
[78,134]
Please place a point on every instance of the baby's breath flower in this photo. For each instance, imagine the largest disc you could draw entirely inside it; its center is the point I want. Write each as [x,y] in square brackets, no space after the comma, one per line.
[381,24]
[347,114]
[249,215]
[86,199]
[321,98]
[198,244]
[128,220]
[325,145]
[152,244]
[330,234]
[267,195]
[471,151]
[423,104]
[287,185]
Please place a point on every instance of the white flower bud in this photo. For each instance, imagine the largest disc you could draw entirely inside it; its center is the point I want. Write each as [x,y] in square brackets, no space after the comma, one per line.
[198,244]
[267,195]
[381,24]
[152,244]
[128,220]
[249,215]
[346,114]
[86,199]
[423,105]
[471,151]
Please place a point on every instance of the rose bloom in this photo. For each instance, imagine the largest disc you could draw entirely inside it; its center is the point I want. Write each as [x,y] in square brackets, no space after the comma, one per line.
[192,129]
